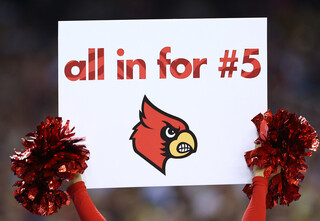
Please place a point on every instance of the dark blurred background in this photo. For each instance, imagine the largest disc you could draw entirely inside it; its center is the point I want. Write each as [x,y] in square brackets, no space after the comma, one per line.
[28,86]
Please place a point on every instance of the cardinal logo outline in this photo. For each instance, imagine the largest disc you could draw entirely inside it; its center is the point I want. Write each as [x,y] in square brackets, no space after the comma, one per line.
[159,136]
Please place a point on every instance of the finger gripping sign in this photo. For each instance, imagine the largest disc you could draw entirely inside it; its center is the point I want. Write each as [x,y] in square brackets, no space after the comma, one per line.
[164,102]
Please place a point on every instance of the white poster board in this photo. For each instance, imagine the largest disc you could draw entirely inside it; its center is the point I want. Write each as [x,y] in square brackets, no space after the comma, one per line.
[196,107]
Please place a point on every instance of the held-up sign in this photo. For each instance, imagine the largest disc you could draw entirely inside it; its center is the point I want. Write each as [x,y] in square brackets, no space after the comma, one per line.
[164,102]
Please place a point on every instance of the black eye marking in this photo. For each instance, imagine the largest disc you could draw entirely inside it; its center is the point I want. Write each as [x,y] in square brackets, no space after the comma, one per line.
[168,132]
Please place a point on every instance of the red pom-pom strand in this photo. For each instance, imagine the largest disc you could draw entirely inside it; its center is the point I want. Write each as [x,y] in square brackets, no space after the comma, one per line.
[51,155]
[285,140]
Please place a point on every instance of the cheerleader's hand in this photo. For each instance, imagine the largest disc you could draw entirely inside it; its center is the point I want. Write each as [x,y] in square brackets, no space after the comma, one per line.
[77,178]
[258,171]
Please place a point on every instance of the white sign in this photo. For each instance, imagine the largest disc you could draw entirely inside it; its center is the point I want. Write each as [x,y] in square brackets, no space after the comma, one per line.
[164,102]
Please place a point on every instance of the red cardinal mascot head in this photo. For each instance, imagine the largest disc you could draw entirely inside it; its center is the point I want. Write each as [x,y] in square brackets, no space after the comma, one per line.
[160,136]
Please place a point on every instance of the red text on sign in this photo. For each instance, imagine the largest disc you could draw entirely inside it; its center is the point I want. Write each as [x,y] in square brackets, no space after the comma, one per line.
[254,62]
[129,67]
[228,63]
[82,66]
[163,62]
[125,68]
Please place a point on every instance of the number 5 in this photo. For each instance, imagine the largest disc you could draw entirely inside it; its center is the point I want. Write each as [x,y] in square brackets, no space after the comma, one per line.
[255,63]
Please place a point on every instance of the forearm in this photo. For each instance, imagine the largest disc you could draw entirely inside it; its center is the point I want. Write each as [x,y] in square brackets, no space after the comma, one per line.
[84,206]
[256,210]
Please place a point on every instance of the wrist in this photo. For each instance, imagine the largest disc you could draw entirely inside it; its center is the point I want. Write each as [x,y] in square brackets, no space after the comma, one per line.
[257,171]
[77,178]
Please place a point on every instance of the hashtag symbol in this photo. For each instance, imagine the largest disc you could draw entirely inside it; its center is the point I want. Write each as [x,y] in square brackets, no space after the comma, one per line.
[231,68]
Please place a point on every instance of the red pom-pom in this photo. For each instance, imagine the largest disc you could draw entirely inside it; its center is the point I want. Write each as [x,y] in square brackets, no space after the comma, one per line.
[51,155]
[286,140]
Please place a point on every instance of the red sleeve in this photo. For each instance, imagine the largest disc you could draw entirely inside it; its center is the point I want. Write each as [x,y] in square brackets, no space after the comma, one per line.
[85,208]
[256,210]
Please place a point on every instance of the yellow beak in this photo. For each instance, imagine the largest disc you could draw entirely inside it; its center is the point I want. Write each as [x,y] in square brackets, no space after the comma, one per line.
[184,145]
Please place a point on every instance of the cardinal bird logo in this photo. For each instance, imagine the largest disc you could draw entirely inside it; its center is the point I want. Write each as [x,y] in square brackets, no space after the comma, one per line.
[160,136]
